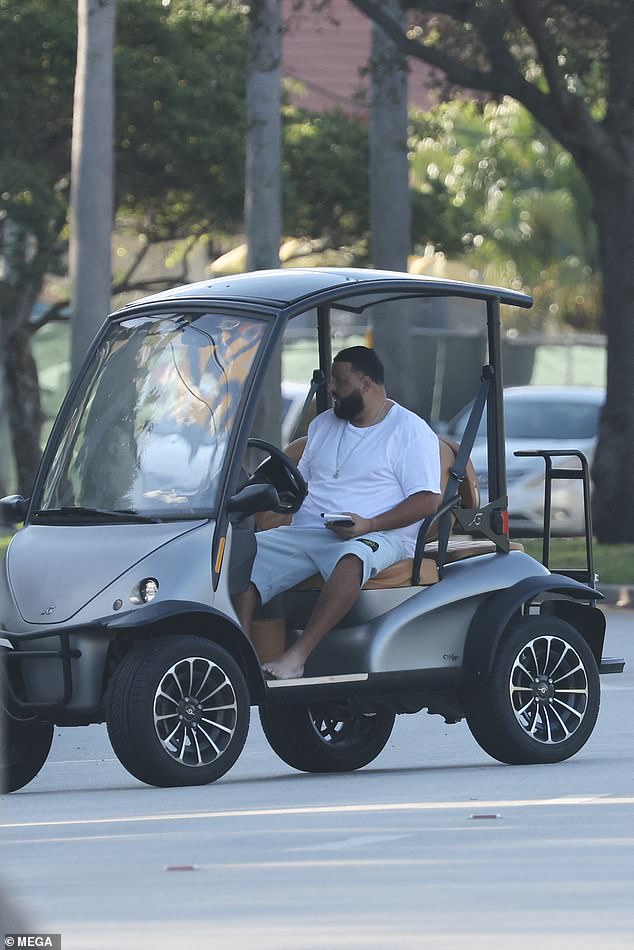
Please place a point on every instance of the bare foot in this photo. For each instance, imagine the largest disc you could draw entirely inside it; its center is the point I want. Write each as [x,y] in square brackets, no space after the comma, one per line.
[284,668]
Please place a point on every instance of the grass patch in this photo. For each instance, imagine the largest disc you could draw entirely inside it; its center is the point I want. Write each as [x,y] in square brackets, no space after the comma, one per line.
[614,563]
[51,351]
[575,364]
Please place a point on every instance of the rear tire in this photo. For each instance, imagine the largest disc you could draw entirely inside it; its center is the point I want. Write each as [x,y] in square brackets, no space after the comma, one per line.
[540,702]
[178,711]
[325,738]
[27,744]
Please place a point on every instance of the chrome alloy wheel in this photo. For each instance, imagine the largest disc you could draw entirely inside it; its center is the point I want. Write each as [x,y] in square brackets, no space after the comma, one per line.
[338,729]
[195,711]
[549,689]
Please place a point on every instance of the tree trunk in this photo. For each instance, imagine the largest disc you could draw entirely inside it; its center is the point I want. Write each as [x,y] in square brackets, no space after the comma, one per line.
[390,208]
[24,408]
[390,213]
[613,469]
[19,393]
[92,174]
[6,451]
[263,180]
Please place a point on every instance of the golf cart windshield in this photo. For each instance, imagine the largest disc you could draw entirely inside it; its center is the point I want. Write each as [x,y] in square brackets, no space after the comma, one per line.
[147,432]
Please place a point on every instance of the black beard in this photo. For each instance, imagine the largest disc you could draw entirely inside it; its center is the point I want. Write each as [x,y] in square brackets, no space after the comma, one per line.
[349,407]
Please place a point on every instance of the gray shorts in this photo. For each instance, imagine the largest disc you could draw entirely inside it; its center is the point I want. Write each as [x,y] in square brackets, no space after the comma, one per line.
[287,555]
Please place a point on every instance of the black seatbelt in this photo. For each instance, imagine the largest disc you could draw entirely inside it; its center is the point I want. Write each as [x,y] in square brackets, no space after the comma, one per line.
[318,380]
[457,471]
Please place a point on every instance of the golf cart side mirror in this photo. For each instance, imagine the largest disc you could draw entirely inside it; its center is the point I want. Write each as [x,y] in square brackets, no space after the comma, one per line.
[13,509]
[254,498]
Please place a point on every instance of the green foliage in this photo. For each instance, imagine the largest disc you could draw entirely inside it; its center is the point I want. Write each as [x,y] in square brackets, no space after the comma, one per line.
[557,46]
[488,185]
[180,116]
[179,123]
[614,563]
[515,202]
[37,51]
[326,192]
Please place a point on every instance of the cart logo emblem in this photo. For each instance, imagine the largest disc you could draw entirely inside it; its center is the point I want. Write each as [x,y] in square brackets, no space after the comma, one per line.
[476,521]
[48,611]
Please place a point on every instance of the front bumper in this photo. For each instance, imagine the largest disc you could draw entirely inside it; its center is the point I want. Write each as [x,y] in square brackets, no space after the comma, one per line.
[49,671]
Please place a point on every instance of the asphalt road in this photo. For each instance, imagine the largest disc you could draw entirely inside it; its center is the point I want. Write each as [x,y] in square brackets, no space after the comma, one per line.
[434,845]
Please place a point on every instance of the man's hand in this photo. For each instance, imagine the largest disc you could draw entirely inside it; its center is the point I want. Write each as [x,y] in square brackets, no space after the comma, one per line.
[360,526]
[414,508]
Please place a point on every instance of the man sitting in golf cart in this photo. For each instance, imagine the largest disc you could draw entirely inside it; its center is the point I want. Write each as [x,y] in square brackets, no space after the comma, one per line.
[373,469]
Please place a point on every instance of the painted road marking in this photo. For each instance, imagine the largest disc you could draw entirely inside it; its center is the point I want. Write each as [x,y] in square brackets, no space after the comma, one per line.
[583,801]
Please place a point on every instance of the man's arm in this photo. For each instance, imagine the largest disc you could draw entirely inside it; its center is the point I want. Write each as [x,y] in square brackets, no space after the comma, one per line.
[409,511]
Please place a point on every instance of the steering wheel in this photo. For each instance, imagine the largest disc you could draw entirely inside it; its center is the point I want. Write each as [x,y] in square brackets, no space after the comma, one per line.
[279,471]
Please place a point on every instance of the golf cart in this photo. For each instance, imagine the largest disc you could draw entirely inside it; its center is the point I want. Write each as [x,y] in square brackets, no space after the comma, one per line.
[116,595]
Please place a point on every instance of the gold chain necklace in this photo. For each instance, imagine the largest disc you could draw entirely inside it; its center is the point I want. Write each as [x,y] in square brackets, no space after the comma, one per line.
[339,465]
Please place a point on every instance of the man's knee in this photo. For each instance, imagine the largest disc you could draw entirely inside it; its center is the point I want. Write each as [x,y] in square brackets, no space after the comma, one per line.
[351,566]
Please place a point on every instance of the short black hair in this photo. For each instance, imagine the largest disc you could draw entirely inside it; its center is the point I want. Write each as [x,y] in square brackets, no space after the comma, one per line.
[364,360]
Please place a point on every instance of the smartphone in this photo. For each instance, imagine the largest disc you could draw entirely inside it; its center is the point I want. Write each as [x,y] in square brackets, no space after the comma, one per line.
[337,518]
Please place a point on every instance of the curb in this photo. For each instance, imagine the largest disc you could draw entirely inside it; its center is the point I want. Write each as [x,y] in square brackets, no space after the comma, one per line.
[617,595]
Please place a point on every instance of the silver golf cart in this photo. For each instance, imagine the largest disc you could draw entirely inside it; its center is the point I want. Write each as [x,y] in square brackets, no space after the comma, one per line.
[116,595]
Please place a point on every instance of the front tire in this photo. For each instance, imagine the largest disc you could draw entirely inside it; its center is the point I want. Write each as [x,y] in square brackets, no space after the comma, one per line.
[541,700]
[178,711]
[325,738]
[27,744]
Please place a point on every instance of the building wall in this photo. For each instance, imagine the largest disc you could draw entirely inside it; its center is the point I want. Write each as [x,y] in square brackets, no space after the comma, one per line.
[326,54]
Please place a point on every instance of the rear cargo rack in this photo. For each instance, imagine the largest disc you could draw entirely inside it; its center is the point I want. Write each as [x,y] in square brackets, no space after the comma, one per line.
[585,575]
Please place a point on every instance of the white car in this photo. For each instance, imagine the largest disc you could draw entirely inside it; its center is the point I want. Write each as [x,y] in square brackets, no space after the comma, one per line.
[540,417]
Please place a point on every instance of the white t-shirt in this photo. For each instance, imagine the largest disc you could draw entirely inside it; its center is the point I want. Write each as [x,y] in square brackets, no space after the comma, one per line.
[378,467]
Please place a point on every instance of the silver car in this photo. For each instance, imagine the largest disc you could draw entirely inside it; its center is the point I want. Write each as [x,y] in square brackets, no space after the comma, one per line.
[540,417]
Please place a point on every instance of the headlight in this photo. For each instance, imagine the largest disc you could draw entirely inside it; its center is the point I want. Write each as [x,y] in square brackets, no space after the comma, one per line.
[148,589]
[145,591]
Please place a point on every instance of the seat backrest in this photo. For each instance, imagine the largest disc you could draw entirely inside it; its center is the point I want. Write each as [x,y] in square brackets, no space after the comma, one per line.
[469,490]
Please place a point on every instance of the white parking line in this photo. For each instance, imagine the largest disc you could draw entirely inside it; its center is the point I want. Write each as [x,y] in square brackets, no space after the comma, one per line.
[584,801]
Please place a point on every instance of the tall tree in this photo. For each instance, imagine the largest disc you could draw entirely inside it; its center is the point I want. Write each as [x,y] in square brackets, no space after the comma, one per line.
[499,193]
[390,211]
[390,206]
[92,173]
[263,181]
[263,178]
[569,62]
[37,46]
[179,164]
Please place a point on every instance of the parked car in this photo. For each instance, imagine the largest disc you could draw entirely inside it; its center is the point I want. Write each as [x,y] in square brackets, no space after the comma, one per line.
[540,417]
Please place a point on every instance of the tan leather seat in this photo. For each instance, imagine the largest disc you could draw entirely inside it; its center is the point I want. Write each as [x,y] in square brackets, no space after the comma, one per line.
[400,573]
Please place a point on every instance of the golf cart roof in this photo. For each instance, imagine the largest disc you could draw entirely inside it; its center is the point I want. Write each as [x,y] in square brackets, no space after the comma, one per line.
[296,290]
